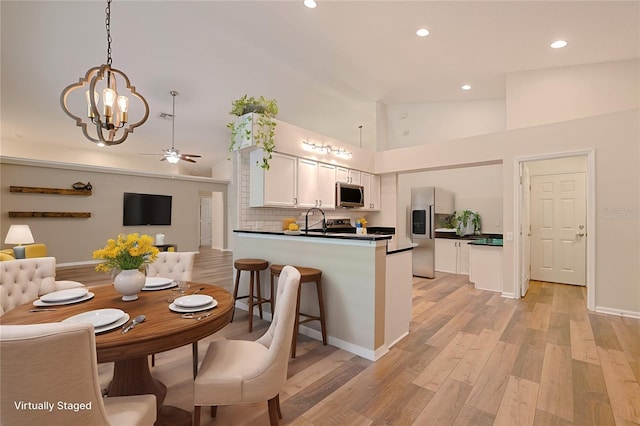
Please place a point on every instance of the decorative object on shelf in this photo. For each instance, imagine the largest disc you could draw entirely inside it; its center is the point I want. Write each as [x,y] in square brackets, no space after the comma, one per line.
[172,155]
[467,222]
[255,125]
[127,253]
[110,126]
[19,234]
[80,185]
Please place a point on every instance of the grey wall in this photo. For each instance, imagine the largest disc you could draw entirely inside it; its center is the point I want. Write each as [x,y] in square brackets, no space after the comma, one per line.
[74,240]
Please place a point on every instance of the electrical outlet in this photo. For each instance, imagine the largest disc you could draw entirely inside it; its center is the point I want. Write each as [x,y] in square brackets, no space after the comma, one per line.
[509,236]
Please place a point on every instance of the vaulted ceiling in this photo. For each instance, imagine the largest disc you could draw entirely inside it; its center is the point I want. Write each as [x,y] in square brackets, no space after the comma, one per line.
[327,67]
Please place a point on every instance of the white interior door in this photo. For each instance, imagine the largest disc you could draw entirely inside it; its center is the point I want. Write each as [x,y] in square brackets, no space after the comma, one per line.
[558,219]
[205,221]
[525,231]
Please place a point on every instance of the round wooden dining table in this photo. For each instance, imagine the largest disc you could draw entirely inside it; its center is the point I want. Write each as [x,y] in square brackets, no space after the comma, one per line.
[161,330]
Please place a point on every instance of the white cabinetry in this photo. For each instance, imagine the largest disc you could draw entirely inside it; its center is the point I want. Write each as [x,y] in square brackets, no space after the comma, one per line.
[316,184]
[452,256]
[371,184]
[347,175]
[275,187]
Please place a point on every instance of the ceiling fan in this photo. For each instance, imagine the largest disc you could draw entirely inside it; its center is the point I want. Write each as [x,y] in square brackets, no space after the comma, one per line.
[172,155]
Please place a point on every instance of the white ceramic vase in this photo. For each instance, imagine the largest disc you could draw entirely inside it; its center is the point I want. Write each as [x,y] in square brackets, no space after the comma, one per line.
[129,283]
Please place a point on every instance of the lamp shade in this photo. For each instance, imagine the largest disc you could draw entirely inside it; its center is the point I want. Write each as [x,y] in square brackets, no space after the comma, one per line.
[19,234]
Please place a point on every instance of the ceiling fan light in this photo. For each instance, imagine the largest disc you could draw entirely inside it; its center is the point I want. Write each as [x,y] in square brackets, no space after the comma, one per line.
[173,159]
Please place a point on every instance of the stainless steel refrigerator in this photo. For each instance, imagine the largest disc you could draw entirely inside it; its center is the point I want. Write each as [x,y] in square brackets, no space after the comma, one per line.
[425,203]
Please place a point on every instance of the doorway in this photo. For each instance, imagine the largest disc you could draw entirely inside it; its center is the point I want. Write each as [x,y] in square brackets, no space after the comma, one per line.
[554,216]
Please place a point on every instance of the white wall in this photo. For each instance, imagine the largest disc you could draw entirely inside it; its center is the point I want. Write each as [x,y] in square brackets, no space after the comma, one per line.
[416,124]
[73,240]
[559,94]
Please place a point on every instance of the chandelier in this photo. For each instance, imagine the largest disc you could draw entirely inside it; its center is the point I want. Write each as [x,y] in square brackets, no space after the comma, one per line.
[110,124]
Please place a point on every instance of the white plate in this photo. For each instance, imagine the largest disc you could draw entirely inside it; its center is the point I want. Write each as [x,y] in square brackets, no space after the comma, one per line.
[122,321]
[62,295]
[193,301]
[157,281]
[40,303]
[99,317]
[182,310]
[164,287]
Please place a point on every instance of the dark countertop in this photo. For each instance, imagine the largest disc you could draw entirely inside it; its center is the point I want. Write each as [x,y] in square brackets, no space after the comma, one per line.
[454,236]
[334,235]
[494,242]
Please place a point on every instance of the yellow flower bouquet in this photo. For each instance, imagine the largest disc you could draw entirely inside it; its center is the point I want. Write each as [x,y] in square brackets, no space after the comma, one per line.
[126,252]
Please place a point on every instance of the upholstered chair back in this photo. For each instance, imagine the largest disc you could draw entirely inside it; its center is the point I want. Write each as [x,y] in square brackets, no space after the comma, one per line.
[48,363]
[175,265]
[22,280]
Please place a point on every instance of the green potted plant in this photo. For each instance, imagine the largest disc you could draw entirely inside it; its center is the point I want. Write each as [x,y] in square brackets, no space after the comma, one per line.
[468,222]
[254,125]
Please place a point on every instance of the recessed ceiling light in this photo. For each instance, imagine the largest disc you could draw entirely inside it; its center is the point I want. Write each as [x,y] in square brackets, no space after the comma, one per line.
[310,3]
[422,32]
[558,44]
[466,87]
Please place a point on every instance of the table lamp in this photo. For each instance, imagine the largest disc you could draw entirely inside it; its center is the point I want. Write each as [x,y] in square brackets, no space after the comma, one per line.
[19,234]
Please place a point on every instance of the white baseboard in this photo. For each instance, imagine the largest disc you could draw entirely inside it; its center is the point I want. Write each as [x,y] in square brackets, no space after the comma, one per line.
[508,295]
[617,312]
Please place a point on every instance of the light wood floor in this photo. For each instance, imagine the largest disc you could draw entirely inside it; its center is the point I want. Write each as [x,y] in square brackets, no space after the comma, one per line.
[471,358]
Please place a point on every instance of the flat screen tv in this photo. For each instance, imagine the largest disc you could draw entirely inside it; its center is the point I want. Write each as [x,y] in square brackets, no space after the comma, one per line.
[146,209]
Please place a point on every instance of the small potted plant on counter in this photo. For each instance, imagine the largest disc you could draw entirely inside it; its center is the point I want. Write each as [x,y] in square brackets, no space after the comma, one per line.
[468,222]
[254,125]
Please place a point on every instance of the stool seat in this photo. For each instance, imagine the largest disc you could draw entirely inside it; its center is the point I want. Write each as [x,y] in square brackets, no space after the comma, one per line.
[253,266]
[307,275]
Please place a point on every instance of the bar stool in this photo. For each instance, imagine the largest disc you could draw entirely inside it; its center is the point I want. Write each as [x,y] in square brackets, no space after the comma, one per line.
[307,275]
[254,266]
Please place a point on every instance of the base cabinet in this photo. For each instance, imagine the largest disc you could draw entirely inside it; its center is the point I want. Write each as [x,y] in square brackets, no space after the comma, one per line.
[452,256]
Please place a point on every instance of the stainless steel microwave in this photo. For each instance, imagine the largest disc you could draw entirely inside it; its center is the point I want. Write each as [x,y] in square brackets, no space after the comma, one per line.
[349,195]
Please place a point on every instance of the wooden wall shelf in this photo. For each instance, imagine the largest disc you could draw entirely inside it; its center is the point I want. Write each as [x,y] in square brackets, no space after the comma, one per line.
[58,191]
[81,215]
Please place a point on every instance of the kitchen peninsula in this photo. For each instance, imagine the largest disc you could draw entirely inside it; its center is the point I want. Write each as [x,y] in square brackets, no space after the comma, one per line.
[366,283]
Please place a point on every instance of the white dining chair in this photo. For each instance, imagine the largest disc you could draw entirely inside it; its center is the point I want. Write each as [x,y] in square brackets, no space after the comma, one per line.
[177,265]
[239,371]
[56,363]
[23,280]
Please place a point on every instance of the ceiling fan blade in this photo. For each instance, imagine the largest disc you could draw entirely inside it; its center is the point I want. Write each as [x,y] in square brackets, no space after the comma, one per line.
[183,158]
[163,159]
[192,155]
[146,153]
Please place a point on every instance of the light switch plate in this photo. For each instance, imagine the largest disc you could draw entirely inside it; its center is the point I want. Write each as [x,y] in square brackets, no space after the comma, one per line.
[509,236]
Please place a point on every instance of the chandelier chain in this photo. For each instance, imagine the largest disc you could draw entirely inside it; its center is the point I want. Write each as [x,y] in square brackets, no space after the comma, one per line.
[107,22]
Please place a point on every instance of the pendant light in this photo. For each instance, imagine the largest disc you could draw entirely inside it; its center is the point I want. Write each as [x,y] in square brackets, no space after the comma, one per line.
[110,124]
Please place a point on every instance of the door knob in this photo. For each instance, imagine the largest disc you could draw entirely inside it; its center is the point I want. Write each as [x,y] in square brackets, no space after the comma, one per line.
[580,234]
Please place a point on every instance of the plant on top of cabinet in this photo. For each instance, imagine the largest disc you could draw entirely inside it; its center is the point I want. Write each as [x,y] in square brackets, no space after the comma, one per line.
[255,125]
[468,222]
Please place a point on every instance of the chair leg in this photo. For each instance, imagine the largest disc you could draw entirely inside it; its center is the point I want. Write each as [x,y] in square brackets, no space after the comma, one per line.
[235,293]
[278,405]
[153,360]
[250,301]
[194,355]
[273,298]
[259,291]
[214,410]
[273,411]
[323,326]
[296,326]
[196,415]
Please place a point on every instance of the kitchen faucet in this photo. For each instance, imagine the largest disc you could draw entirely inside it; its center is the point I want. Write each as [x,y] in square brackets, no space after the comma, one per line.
[306,220]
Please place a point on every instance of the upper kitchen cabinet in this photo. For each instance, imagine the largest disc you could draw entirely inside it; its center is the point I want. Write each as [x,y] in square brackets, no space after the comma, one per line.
[275,187]
[347,176]
[316,184]
[371,184]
